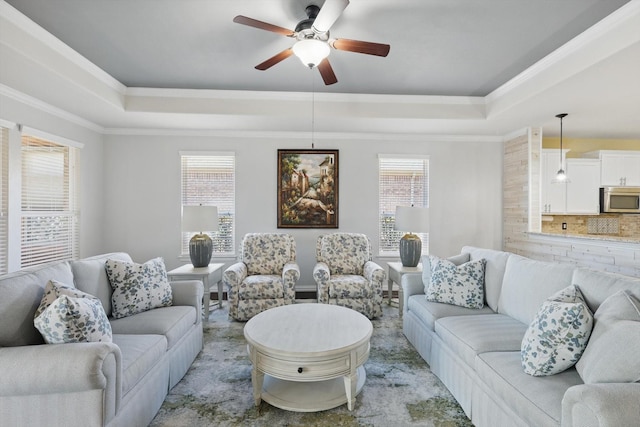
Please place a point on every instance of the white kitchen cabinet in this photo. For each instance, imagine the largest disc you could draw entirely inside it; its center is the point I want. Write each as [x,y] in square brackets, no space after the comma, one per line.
[583,188]
[553,195]
[618,168]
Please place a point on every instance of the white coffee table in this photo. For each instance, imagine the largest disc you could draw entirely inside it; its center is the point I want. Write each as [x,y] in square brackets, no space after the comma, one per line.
[308,357]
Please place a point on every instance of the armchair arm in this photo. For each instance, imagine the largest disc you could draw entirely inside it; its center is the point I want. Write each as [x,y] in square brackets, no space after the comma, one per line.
[188,292]
[50,369]
[604,405]
[375,274]
[231,280]
[321,275]
[290,275]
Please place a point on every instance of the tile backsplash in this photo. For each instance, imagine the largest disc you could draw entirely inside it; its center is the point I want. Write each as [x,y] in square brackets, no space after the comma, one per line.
[616,225]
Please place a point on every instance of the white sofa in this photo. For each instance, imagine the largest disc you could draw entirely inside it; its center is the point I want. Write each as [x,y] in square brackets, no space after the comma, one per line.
[476,352]
[122,383]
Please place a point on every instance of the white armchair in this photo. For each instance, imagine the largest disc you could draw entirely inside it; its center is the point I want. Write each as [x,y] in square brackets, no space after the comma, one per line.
[346,275]
[265,276]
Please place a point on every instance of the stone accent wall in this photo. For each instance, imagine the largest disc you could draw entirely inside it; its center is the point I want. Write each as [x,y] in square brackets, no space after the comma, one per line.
[522,211]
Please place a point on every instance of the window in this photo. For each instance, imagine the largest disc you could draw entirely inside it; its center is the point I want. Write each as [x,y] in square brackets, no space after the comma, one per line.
[208,179]
[4,199]
[50,216]
[403,181]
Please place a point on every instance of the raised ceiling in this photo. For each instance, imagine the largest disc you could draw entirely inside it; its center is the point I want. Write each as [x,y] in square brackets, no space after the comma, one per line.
[444,48]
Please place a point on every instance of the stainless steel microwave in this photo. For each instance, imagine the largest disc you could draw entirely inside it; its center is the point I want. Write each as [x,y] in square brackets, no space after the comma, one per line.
[620,199]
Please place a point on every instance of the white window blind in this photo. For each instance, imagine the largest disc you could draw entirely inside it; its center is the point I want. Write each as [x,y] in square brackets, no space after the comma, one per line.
[50,215]
[403,181]
[208,179]
[4,199]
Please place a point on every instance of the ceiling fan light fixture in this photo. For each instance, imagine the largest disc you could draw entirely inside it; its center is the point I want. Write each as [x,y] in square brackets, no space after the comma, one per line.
[311,51]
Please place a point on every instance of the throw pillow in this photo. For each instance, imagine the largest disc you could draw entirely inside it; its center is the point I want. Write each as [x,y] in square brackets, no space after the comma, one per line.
[68,319]
[426,267]
[55,289]
[461,285]
[558,334]
[611,355]
[138,287]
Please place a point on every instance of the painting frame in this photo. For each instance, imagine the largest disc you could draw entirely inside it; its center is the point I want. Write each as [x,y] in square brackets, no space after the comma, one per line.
[308,187]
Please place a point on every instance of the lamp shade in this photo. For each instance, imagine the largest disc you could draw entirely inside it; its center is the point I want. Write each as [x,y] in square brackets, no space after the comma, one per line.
[412,219]
[311,52]
[199,218]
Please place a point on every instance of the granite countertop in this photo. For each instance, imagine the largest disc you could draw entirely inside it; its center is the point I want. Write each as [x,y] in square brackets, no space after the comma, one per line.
[625,239]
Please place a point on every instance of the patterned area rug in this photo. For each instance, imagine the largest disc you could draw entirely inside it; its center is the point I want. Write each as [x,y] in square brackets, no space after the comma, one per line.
[400,389]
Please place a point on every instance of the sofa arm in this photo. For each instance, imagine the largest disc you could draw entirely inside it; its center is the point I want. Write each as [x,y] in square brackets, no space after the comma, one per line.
[603,405]
[290,275]
[321,275]
[188,292]
[374,273]
[50,369]
[411,284]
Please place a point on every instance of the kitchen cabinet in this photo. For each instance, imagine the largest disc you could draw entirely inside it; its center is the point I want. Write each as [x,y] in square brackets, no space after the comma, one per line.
[553,194]
[618,168]
[583,188]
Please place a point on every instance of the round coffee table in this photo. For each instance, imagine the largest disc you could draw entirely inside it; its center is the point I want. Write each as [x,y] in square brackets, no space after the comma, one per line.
[308,357]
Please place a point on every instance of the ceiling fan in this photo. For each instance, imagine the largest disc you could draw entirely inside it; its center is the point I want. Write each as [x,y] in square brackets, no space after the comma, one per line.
[314,43]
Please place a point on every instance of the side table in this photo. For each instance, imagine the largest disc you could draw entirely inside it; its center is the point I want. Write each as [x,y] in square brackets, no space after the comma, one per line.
[208,275]
[396,271]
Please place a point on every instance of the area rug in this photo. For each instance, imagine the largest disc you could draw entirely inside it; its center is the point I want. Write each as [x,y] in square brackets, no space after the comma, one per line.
[400,390]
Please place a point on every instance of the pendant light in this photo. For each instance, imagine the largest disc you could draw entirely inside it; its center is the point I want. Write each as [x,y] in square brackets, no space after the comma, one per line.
[561,176]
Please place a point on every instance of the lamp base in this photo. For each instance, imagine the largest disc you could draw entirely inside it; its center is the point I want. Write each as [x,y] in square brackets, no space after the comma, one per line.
[410,250]
[200,250]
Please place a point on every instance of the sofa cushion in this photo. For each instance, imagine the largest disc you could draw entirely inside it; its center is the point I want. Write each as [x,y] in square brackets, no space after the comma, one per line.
[468,336]
[597,286]
[527,283]
[612,353]
[558,334]
[138,287]
[69,319]
[173,322]
[261,286]
[21,294]
[140,353]
[90,276]
[429,311]
[349,286]
[537,400]
[461,285]
[426,267]
[495,265]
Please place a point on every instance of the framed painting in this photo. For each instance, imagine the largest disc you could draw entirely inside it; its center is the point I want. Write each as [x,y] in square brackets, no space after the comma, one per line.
[307,188]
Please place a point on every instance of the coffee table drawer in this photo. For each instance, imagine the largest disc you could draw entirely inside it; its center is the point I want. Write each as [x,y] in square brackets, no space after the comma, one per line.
[303,370]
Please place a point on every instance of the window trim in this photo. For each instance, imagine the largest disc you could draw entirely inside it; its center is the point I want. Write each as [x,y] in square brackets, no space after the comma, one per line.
[424,236]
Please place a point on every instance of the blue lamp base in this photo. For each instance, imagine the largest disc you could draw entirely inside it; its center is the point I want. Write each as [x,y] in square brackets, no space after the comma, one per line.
[200,250]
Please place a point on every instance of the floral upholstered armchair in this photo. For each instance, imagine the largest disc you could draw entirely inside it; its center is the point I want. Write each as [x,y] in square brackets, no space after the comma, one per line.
[346,275]
[265,276]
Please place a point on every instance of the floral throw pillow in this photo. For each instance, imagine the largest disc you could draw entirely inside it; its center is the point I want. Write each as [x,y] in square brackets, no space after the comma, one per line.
[69,319]
[461,285]
[55,289]
[138,287]
[558,334]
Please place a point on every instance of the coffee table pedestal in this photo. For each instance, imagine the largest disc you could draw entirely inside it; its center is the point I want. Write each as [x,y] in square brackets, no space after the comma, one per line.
[308,357]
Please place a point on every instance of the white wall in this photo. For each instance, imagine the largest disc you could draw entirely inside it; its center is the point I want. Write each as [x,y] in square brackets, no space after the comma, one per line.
[142,191]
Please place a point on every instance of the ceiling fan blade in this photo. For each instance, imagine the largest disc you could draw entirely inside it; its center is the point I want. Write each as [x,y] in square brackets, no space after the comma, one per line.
[263,25]
[274,59]
[358,46]
[329,13]
[327,73]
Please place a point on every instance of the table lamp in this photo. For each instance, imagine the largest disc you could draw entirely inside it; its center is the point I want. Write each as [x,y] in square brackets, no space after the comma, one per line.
[200,218]
[411,219]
